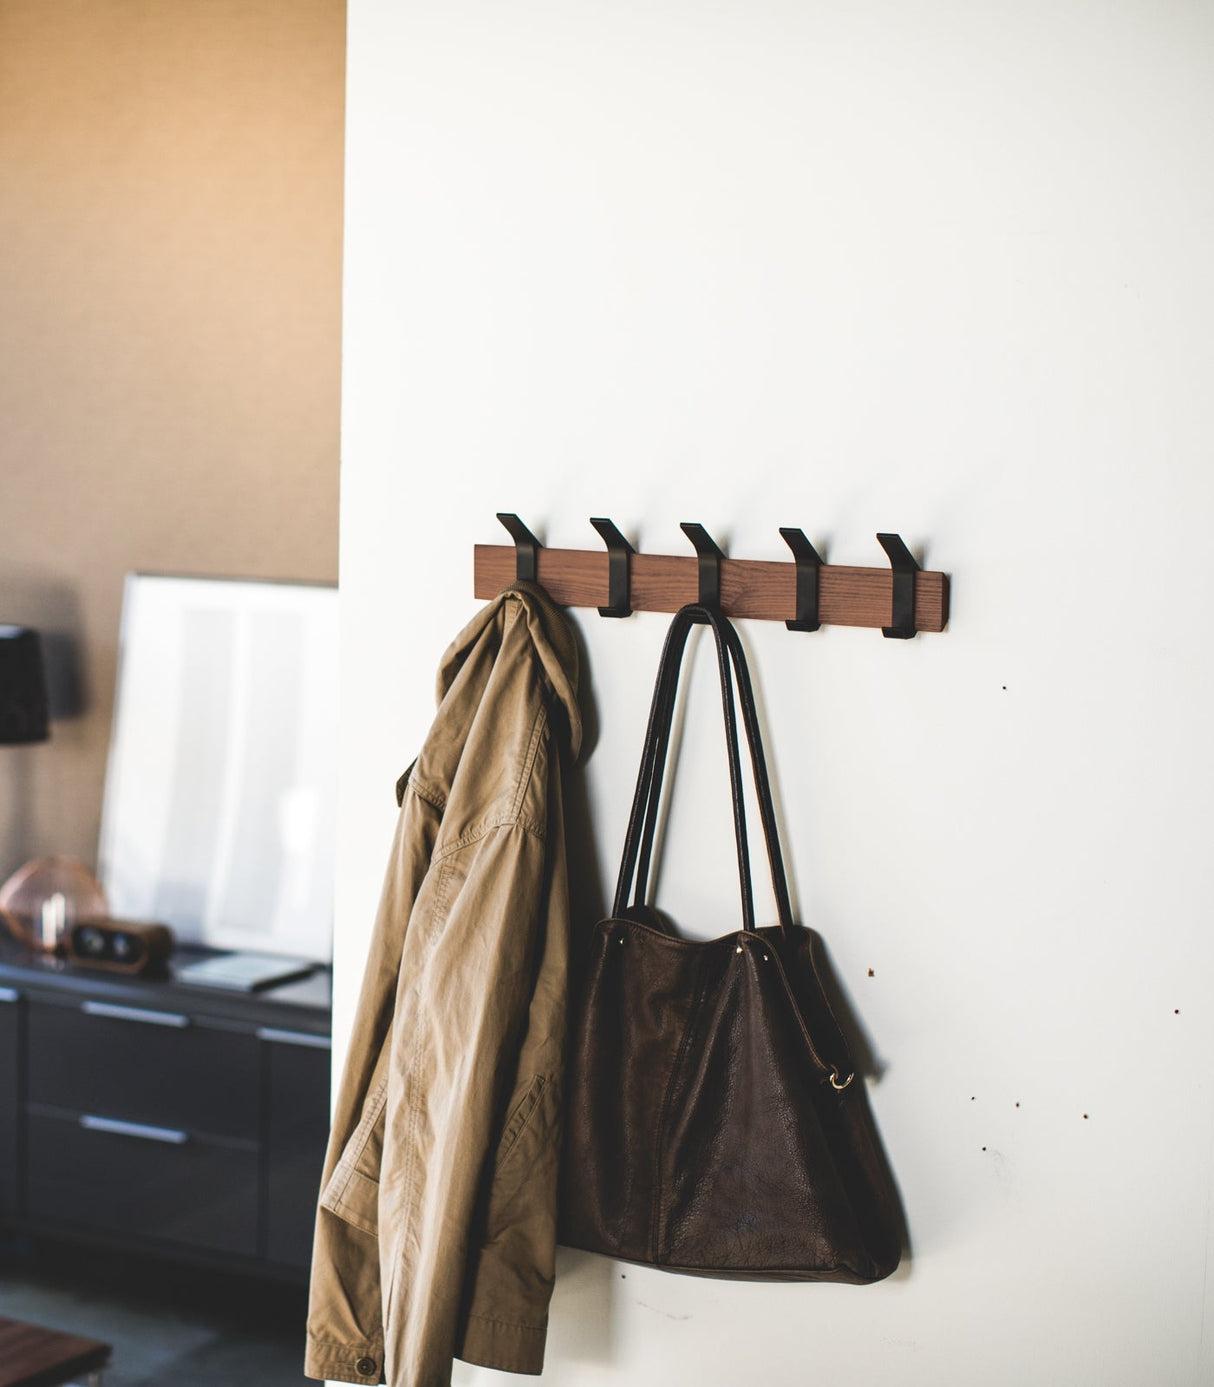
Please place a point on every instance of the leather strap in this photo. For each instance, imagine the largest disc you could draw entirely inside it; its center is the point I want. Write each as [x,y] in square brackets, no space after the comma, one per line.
[668,680]
[759,770]
[642,824]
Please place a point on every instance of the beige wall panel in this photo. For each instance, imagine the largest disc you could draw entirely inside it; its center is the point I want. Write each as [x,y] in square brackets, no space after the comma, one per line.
[170,299]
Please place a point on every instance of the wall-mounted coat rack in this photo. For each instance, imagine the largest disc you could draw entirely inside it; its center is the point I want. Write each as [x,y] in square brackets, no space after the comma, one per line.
[806,594]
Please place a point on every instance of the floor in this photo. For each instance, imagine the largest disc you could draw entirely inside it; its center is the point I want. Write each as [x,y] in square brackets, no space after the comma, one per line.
[170,1326]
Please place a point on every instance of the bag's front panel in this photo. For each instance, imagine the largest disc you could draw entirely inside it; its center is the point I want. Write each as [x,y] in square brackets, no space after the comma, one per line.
[849,1123]
[638,993]
[749,1178]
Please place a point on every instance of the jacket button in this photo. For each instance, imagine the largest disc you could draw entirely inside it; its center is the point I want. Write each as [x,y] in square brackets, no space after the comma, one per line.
[365,1367]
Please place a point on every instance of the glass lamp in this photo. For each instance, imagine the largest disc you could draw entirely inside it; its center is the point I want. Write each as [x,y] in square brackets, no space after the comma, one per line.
[41,901]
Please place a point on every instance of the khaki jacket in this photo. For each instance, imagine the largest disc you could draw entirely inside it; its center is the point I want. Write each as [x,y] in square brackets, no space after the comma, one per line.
[436,1231]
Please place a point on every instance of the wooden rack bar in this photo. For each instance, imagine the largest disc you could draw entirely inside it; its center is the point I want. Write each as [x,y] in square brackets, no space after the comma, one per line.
[757,588]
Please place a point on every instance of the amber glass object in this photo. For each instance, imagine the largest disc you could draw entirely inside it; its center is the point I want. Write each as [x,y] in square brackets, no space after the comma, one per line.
[41,901]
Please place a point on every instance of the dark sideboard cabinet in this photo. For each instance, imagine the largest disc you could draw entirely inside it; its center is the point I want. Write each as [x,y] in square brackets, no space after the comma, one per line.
[180,1120]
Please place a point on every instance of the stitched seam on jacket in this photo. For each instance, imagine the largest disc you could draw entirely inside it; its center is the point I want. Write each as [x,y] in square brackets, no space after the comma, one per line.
[344,1209]
[519,1119]
[357,1143]
[514,815]
[343,1344]
[509,1324]
[408,1180]
[375,1105]
[328,1198]
[438,916]
[434,798]
[533,746]
[484,830]
[412,1193]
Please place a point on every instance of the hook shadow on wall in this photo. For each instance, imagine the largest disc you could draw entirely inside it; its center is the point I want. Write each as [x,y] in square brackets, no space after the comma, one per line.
[805,594]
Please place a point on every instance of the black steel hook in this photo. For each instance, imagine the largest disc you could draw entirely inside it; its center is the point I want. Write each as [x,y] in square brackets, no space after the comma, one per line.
[709,557]
[618,551]
[808,563]
[902,561]
[526,547]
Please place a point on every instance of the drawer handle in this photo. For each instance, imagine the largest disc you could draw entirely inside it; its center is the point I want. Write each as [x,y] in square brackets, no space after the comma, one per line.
[169,1135]
[315,1042]
[9,994]
[152,1018]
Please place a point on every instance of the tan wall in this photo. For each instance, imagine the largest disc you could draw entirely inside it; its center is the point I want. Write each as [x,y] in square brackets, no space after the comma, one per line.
[170,295]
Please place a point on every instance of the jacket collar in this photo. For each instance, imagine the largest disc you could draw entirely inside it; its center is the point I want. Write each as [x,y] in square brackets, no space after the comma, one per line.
[551,635]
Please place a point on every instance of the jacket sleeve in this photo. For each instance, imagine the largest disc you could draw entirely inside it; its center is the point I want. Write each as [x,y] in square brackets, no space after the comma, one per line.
[468,1221]
[511,1262]
[345,1334]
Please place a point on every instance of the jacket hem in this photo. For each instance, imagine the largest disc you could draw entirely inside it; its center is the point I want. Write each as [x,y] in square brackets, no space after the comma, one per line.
[510,1348]
[335,1363]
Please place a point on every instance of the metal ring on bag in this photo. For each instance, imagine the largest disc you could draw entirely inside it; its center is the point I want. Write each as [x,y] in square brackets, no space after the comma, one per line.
[834,1080]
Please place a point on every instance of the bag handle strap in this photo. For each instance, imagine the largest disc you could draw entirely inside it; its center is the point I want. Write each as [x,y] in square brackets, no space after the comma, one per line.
[759,773]
[762,783]
[642,837]
[660,715]
[642,824]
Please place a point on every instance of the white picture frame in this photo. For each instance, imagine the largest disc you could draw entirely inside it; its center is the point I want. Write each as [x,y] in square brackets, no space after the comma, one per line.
[219,815]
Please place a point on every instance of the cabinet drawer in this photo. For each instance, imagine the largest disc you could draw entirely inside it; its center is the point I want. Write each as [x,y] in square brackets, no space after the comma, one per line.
[149,1066]
[188,1192]
[297,1132]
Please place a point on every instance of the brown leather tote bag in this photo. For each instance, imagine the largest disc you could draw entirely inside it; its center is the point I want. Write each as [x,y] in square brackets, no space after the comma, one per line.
[715,1124]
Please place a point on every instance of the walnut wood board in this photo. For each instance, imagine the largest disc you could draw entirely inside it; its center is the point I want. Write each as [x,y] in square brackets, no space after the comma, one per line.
[758,588]
[31,1356]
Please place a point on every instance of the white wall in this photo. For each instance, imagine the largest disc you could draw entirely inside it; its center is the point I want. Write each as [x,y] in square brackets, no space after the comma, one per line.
[937,268]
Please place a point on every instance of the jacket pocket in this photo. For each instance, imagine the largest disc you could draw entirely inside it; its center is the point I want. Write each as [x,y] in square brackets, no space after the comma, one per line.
[352,1191]
[516,1125]
[513,1270]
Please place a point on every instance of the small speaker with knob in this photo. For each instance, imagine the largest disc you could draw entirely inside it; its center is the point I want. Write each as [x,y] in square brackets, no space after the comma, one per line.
[126,946]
